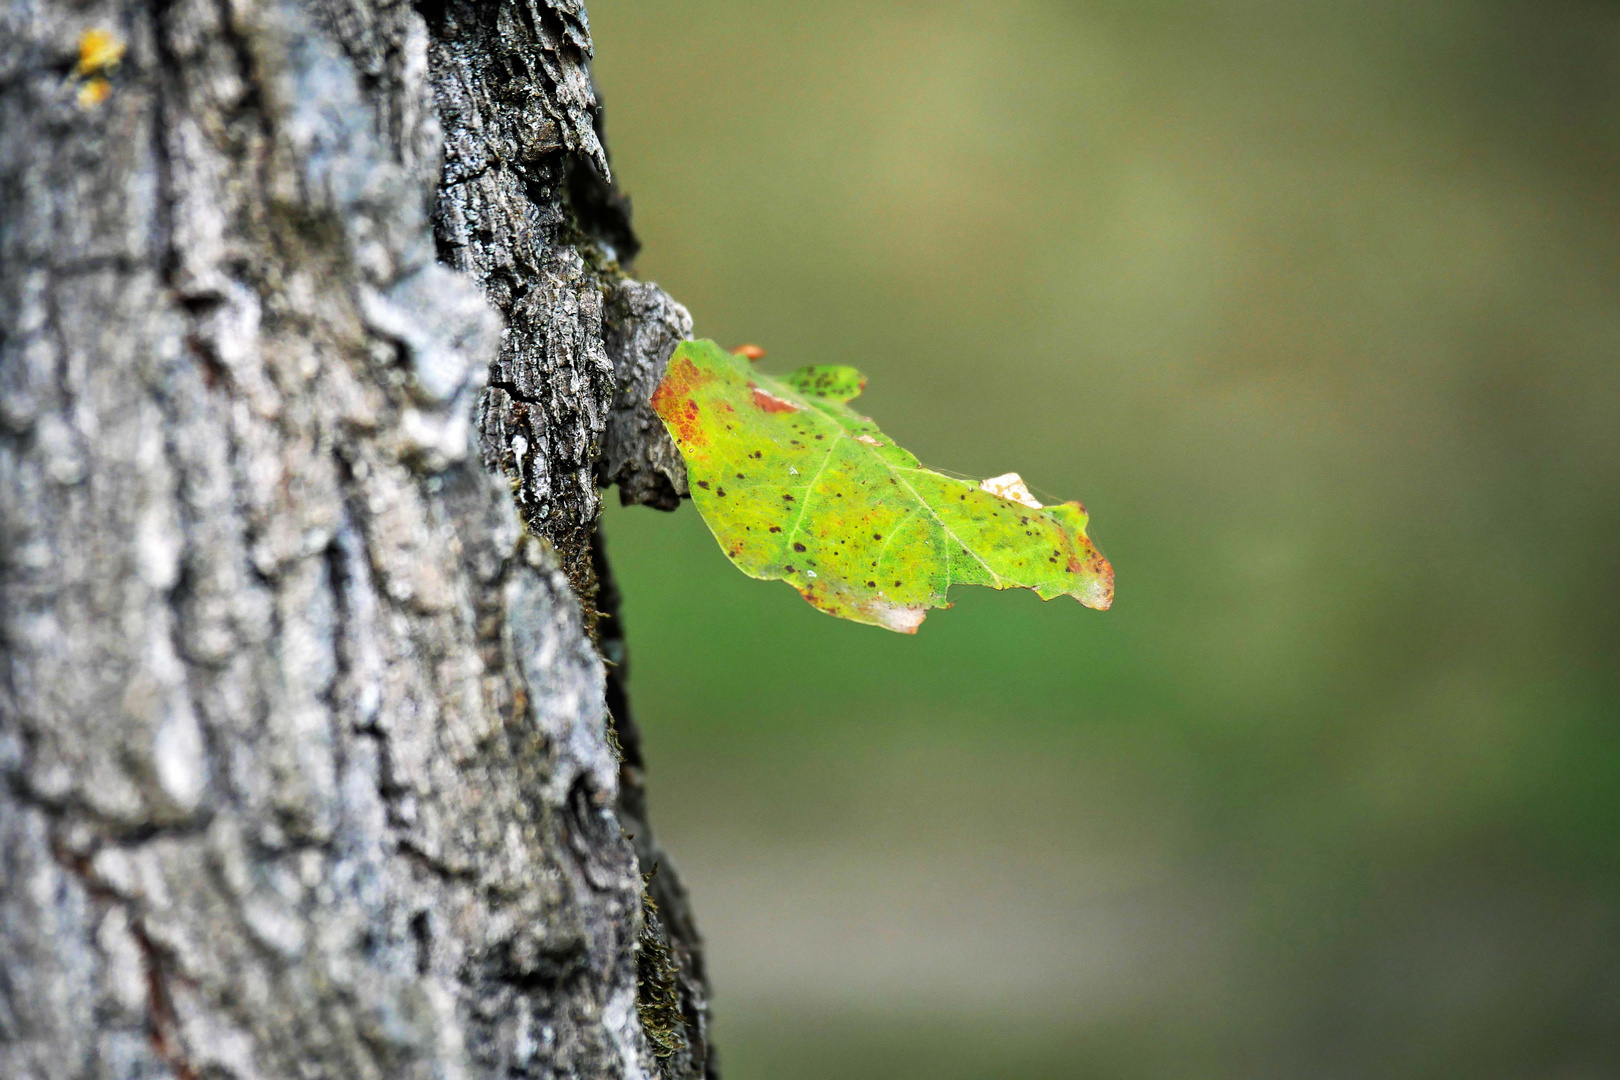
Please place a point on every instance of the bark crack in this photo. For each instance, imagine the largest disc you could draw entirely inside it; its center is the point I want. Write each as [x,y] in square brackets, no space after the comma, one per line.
[160,1009]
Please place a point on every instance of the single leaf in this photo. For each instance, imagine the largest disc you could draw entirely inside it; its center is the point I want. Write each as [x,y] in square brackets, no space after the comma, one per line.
[796,486]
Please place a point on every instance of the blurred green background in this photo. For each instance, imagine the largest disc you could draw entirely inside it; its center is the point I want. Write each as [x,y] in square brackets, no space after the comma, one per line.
[1317,307]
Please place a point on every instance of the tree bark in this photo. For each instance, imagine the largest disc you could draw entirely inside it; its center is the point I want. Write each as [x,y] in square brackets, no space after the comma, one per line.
[316,341]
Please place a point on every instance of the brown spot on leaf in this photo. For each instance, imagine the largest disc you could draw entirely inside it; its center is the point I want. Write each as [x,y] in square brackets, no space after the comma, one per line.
[770,403]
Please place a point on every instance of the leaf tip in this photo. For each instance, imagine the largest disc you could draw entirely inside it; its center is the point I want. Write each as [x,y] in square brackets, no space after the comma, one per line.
[1099,595]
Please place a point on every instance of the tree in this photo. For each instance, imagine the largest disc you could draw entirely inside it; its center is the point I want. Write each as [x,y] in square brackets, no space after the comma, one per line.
[317,759]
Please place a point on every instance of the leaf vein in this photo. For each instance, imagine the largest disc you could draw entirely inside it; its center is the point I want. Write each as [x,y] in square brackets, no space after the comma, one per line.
[948,531]
[810,490]
[896,470]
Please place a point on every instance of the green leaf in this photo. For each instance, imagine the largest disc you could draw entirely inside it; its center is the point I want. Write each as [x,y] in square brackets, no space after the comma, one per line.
[798,487]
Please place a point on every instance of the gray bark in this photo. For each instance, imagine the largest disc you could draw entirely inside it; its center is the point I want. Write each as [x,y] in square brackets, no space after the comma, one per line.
[315,341]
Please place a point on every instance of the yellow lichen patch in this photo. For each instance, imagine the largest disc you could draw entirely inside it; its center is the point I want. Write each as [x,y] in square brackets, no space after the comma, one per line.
[94,92]
[98,50]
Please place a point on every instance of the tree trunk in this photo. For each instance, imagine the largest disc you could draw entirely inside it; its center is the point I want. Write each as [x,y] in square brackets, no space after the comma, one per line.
[312,765]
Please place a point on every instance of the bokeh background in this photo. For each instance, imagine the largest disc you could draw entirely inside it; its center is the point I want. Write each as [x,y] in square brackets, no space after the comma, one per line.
[1316,305]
